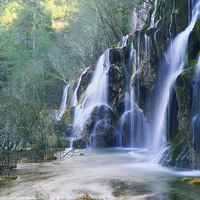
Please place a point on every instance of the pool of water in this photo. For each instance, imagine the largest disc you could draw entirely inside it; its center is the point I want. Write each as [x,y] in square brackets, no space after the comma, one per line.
[106,174]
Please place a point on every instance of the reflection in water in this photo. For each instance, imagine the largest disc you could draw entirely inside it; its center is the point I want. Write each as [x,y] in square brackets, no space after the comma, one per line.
[108,174]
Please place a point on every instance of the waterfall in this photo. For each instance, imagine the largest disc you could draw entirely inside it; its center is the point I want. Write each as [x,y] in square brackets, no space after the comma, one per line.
[133,122]
[63,105]
[74,100]
[123,41]
[95,94]
[129,101]
[153,14]
[177,56]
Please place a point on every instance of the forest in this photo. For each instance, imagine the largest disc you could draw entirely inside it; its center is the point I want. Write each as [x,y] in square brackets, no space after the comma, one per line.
[100,98]
[43,45]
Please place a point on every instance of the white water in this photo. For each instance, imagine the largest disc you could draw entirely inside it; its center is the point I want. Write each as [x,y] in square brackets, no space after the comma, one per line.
[123,41]
[63,105]
[133,122]
[177,57]
[147,57]
[74,100]
[153,14]
[101,174]
[96,93]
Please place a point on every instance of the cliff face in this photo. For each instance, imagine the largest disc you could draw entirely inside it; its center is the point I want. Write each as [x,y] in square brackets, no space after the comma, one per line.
[172,18]
[141,93]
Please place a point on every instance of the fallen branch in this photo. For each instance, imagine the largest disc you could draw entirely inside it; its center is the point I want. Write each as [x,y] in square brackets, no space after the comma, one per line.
[71,151]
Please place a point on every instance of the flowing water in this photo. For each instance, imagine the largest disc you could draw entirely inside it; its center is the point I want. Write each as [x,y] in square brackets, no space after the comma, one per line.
[177,58]
[154,14]
[106,174]
[63,105]
[93,97]
[151,135]
[74,100]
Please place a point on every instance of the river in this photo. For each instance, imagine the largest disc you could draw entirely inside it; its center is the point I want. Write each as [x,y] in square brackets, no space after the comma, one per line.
[105,174]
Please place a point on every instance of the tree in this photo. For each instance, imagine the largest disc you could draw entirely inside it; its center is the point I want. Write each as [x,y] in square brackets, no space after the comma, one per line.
[97,25]
[36,127]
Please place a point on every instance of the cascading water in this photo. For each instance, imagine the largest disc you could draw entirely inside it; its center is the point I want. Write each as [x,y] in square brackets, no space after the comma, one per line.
[177,55]
[153,14]
[133,122]
[74,100]
[95,94]
[63,105]
[123,41]
[92,109]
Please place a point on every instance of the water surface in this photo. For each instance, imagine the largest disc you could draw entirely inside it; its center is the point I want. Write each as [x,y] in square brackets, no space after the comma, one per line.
[106,174]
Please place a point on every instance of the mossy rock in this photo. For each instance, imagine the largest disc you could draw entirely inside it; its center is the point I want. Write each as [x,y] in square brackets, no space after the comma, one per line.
[183,90]
[85,197]
[79,144]
[10,177]
[81,153]
[191,181]
[68,115]
[25,160]
[180,17]
[194,42]
[50,158]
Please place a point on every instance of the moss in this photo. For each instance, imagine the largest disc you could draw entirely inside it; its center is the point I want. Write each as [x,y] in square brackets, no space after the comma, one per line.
[181,15]
[25,160]
[183,90]
[194,42]
[85,197]
[191,181]
[197,29]
[50,158]
[178,144]
[68,115]
[81,153]
[191,64]
[10,177]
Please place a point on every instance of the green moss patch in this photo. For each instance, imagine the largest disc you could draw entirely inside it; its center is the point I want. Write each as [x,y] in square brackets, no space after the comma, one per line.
[25,160]
[50,158]
[86,197]
[10,177]
[191,181]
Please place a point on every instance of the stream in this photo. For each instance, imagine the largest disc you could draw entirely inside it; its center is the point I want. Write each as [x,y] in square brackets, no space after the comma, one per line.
[105,174]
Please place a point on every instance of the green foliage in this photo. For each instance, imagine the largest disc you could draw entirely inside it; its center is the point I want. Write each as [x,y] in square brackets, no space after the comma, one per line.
[8,13]
[25,160]
[50,158]
[43,43]
[10,177]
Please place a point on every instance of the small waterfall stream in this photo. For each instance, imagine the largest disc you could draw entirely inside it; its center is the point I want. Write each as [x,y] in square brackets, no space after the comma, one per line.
[63,105]
[153,14]
[74,100]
